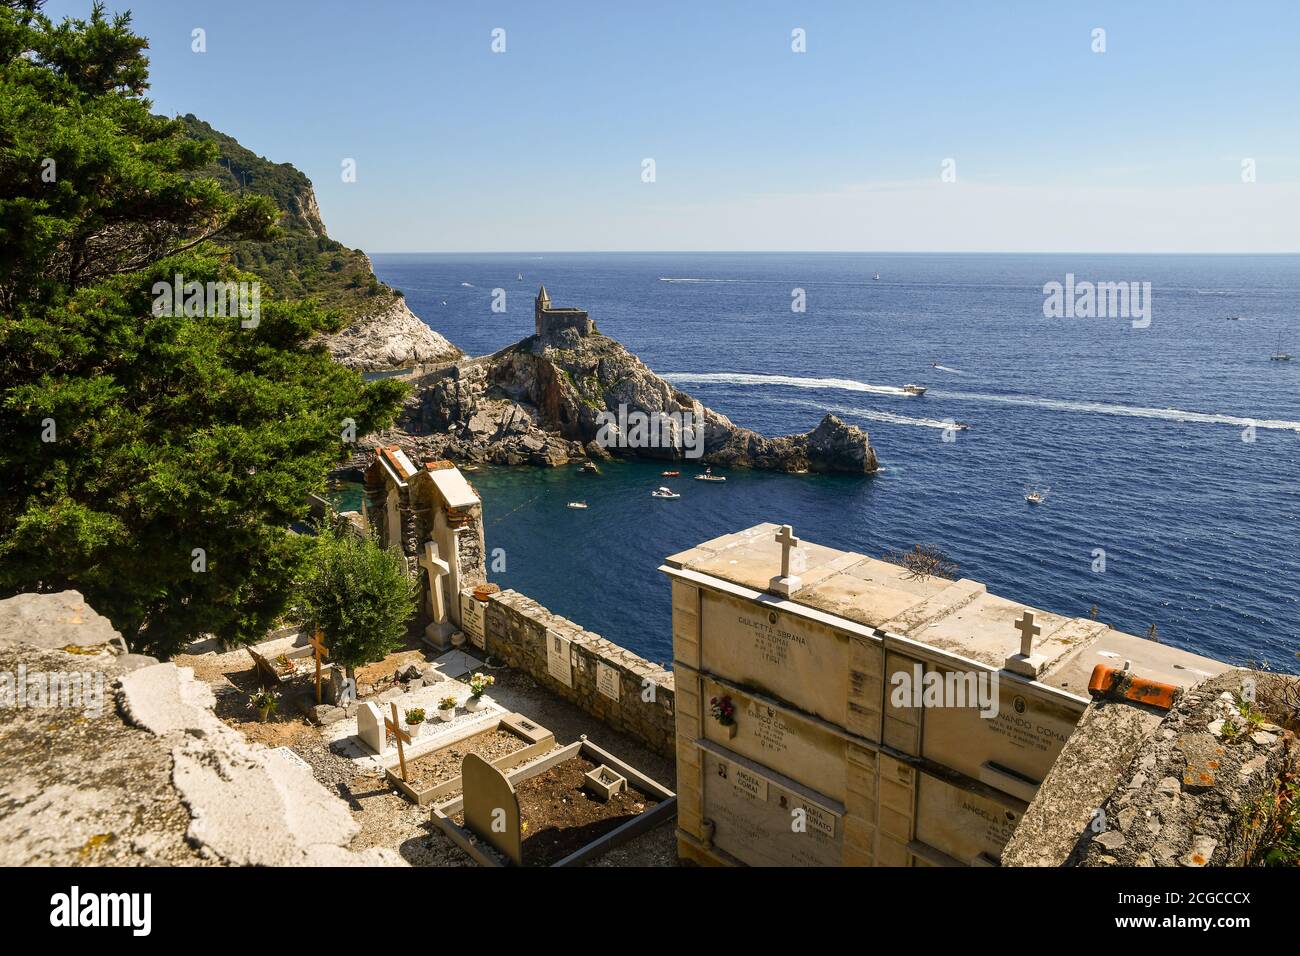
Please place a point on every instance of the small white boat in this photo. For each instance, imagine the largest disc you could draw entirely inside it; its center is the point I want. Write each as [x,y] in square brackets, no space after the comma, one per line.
[520,277]
[709,476]
[917,390]
[1037,497]
[876,277]
[580,505]
[664,493]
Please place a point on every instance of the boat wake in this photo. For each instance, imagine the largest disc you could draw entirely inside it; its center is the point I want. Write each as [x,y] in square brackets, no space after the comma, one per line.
[794,381]
[1026,401]
[674,279]
[874,415]
[945,368]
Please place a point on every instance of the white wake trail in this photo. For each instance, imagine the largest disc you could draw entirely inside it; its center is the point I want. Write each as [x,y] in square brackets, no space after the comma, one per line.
[794,381]
[1025,401]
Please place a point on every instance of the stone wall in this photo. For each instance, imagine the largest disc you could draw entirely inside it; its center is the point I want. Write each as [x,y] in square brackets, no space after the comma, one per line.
[517,631]
[1198,793]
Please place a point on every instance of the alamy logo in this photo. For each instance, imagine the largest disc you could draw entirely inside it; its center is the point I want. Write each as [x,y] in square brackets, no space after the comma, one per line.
[636,429]
[921,688]
[25,689]
[73,909]
[213,299]
[1098,300]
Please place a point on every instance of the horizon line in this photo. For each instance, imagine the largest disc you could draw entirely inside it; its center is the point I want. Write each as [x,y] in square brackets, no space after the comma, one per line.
[818,252]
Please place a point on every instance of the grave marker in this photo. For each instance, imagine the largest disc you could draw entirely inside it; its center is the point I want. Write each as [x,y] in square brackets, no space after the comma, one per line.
[395,727]
[558,663]
[607,680]
[491,807]
[786,584]
[473,619]
[319,650]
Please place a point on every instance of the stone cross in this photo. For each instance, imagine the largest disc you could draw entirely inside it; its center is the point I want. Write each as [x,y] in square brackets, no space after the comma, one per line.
[786,539]
[786,584]
[436,569]
[395,727]
[1026,662]
[1028,631]
[319,650]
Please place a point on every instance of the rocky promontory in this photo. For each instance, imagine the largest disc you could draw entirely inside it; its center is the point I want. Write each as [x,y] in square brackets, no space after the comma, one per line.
[550,398]
[391,337]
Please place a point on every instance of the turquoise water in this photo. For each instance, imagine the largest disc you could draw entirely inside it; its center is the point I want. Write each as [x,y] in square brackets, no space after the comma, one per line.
[1138,433]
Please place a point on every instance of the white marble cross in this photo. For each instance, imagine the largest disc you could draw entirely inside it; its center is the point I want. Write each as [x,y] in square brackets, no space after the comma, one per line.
[786,583]
[1028,631]
[786,539]
[436,568]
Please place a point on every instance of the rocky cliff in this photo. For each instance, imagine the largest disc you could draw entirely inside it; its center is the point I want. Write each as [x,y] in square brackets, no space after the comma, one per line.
[304,262]
[550,400]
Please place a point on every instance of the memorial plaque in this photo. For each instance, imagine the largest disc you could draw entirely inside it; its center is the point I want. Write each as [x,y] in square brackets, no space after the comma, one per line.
[790,744]
[1025,736]
[473,619]
[758,825]
[793,659]
[558,662]
[961,823]
[607,680]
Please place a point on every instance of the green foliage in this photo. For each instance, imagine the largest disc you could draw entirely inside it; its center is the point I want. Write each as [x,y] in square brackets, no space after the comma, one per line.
[360,595]
[302,261]
[182,447]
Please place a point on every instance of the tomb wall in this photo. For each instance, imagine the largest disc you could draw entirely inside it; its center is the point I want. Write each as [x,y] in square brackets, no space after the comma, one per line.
[879,780]
[609,682]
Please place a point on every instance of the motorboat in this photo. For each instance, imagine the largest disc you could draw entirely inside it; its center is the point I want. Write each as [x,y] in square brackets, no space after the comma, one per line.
[708,475]
[671,474]
[1036,497]
[578,505]
[662,492]
[917,390]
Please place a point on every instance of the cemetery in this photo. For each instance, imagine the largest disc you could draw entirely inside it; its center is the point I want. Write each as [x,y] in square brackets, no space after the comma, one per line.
[780,737]
[560,810]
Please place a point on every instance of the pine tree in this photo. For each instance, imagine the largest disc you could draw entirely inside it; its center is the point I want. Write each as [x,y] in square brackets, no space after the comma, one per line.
[150,459]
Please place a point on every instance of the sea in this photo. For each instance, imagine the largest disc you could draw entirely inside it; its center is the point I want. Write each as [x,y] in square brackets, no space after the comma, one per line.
[1169,454]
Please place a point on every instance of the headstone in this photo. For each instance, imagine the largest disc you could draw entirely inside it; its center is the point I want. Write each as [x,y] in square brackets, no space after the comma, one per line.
[370,727]
[558,662]
[607,680]
[491,807]
[473,619]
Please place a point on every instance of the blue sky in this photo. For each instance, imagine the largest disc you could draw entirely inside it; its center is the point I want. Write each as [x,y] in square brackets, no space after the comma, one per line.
[1055,147]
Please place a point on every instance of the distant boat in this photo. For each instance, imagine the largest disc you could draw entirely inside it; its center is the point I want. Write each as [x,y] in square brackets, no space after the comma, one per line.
[670,474]
[1037,497]
[876,277]
[662,492]
[589,468]
[1279,355]
[709,476]
[520,277]
[917,390]
[579,505]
